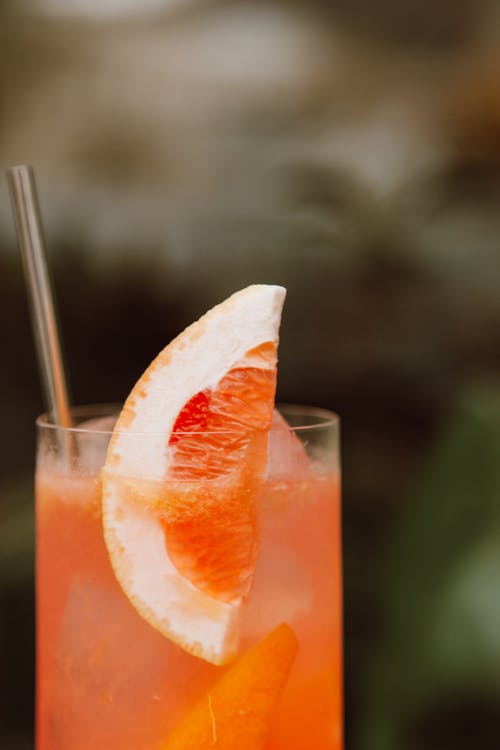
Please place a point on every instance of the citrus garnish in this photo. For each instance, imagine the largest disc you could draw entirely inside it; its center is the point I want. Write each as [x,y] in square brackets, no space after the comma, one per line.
[236,713]
[183,471]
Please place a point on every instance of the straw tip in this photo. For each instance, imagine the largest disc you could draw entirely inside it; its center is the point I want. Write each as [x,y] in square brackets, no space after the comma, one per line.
[16,168]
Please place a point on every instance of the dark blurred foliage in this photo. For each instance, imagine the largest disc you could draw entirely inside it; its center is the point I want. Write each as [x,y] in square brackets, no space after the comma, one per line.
[350,151]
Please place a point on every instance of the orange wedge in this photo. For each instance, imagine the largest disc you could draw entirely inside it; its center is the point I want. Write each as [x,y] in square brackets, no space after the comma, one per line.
[237,712]
[183,471]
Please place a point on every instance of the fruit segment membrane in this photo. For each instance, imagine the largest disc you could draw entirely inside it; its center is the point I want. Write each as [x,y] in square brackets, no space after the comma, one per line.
[107,679]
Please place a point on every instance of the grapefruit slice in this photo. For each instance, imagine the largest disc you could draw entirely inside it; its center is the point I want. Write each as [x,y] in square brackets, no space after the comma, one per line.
[183,471]
[236,712]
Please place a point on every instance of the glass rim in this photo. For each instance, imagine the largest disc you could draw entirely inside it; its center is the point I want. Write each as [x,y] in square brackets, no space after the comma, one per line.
[323,418]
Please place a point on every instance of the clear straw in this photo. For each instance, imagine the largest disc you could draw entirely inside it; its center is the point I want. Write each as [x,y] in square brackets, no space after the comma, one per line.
[23,195]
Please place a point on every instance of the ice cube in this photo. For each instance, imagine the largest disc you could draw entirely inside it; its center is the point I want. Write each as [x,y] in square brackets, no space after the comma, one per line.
[274,598]
[108,664]
[286,456]
[91,442]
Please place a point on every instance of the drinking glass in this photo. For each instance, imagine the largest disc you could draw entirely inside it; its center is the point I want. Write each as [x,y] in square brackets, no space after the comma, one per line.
[108,679]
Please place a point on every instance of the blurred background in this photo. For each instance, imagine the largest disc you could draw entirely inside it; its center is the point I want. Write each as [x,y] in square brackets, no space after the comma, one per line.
[349,150]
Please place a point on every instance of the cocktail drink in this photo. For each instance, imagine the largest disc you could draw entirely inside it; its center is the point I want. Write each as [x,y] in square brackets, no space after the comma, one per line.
[188,556]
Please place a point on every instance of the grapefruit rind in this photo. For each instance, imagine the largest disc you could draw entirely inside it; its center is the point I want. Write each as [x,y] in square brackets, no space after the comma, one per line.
[238,710]
[139,448]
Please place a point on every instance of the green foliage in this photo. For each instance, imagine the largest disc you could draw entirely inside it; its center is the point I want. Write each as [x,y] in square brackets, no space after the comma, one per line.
[441,637]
